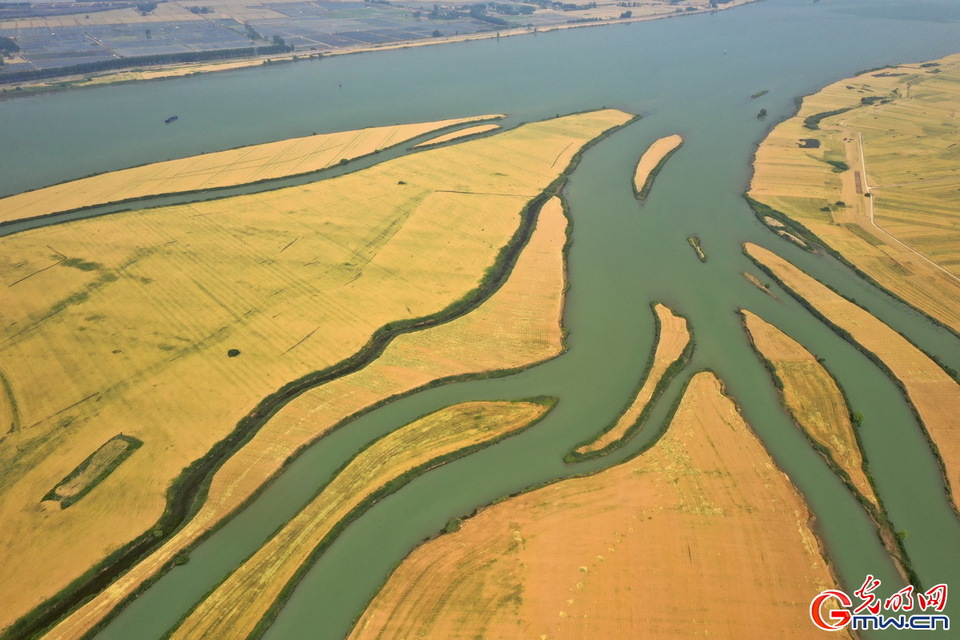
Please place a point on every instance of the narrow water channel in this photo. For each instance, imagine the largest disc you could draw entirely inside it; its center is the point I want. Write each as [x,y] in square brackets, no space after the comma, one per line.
[692,76]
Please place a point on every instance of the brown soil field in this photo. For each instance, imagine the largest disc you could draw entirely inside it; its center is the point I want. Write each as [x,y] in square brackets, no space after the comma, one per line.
[673,336]
[456,135]
[813,399]
[890,202]
[236,607]
[519,325]
[701,535]
[142,335]
[229,168]
[934,395]
[651,159]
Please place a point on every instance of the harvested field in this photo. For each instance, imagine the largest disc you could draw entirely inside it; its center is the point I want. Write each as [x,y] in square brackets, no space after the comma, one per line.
[701,535]
[519,325]
[652,161]
[239,604]
[93,470]
[229,168]
[673,340]
[934,395]
[882,186]
[146,329]
[813,398]
[456,135]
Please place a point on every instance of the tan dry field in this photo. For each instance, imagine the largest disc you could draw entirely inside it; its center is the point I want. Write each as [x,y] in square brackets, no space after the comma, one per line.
[239,603]
[142,338]
[673,336]
[813,399]
[102,458]
[233,167]
[519,325]
[650,159]
[934,394]
[902,151]
[701,535]
[456,135]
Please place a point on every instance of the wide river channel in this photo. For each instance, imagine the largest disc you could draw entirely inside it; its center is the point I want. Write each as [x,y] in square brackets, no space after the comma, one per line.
[692,75]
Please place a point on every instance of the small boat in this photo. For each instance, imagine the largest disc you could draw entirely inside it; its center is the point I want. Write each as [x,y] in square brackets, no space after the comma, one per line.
[171,119]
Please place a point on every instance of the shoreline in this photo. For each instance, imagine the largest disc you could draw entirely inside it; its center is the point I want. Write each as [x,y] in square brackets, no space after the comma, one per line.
[179,70]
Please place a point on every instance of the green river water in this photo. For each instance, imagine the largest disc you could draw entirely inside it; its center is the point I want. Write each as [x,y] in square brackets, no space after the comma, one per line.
[692,76]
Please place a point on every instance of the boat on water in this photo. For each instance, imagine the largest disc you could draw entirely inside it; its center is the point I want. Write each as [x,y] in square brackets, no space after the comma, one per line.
[171,119]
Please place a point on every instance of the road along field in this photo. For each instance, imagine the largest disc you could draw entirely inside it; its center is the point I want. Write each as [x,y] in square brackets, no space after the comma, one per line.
[245,165]
[652,161]
[933,394]
[870,166]
[238,606]
[193,314]
[517,326]
[456,135]
[701,535]
[673,346]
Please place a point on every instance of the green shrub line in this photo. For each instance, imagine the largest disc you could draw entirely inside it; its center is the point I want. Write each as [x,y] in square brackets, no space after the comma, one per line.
[390,487]
[881,520]
[648,183]
[845,335]
[813,122]
[213,190]
[132,445]
[540,485]
[14,407]
[668,375]
[188,491]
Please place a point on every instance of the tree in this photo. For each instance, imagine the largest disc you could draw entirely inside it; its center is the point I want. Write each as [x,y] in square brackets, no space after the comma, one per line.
[762,114]
[436,33]
[626,14]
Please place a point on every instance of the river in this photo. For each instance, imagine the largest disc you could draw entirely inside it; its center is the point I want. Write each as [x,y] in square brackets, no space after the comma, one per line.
[692,75]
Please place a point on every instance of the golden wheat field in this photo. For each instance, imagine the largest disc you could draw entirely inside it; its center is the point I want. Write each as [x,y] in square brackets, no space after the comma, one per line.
[638,550]
[812,397]
[673,336]
[933,393]
[890,202]
[237,605]
[144,310]
[517,326]
[229,168]
[651,159]
[456,135]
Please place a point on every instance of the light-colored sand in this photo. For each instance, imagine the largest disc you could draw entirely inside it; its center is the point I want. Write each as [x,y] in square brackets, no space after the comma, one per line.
[900,217]
[456,135]
[236,607]
[934,394]
[652,157]
[673,336]
[701,536]
[295,279]
[517,326]
[229,168]
[813,399]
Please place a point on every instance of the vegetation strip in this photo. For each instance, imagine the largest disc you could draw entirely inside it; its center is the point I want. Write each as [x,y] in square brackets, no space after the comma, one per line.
[260,585]
[652,162]
[206,172]
[673,347]
[929,390]
[694,241]
[193,482]
[93,470]
[819,408]
[554,561]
